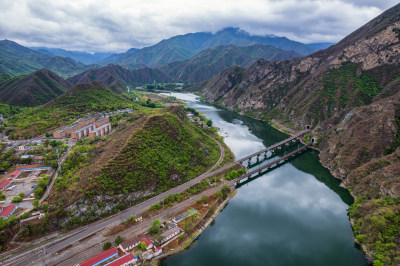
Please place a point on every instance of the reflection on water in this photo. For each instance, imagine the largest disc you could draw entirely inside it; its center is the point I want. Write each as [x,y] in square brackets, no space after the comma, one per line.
[293,215]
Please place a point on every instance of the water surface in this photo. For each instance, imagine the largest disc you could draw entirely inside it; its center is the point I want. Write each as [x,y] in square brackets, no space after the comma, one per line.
[293,215]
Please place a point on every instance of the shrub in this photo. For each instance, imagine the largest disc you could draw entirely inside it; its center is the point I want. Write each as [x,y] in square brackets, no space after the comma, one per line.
[119,240]
[107,245]
[16,199]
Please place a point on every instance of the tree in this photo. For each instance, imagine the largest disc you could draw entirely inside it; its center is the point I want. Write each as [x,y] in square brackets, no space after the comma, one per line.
[155,227]
[35,203]
[142,246]
[119,240]
[21,194]
[107,245]
[204,199]
[16,199]
[209,123]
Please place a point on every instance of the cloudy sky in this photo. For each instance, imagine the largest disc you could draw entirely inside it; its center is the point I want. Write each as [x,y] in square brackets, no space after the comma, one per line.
[117,25]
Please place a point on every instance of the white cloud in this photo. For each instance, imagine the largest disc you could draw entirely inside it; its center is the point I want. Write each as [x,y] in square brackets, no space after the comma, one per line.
[121,24]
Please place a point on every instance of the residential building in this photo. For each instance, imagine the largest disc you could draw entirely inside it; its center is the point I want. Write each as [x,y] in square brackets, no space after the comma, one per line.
[87,127]
[148,243]
[6,212]
[100,258]
[4,184]
[170,234]
[130,244]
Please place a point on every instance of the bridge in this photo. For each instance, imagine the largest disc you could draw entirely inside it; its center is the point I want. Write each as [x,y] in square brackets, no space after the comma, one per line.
[269,165]
[272,148]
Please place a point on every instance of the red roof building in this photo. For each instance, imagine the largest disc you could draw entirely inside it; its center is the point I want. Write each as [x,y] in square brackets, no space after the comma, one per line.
[99,258]
[125,260]
[5,183]
[8,211]
[148,243]
[15,173]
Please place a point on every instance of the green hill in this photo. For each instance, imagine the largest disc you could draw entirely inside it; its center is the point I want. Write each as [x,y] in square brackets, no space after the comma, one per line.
[35,89]
[148,153]
[16,59]
[81,99]
[211,61]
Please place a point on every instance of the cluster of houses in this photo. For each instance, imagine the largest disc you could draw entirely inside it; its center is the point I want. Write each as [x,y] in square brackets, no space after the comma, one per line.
[124,253]
[85,127]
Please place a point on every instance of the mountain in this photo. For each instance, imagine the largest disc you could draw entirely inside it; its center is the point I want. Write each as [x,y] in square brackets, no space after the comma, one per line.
[319,46]
[350,94]
[185,46]
[117,77]
[210,61]
[16,59]
[79,56]
[35,89]
[81,99]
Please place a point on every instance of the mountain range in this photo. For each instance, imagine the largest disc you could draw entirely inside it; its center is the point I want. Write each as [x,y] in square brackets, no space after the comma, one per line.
[185,46]
[16,59]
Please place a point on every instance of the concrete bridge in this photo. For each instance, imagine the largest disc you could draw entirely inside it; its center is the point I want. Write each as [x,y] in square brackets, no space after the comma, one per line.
[269,165]
[272,148]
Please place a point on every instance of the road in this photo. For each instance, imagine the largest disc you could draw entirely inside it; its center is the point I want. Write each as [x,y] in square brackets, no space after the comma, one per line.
[26,257]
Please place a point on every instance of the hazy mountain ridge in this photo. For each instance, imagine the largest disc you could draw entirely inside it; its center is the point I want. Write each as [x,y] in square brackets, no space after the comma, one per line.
[210,61]
[185,46]
[16,59]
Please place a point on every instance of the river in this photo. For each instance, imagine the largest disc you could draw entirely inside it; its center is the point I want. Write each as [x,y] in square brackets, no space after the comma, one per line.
[293,215]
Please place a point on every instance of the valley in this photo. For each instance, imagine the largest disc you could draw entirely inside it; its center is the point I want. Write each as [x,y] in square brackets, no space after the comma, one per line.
[172,153]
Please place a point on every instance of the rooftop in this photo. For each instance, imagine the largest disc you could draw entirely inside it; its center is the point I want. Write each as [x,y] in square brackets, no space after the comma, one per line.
[6,211]
[131,241]
[4,183]
[100,257]
[122,260]
[147,241]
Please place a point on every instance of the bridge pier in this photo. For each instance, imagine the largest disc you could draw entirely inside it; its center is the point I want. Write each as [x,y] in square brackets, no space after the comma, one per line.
[258,157]
[249,162]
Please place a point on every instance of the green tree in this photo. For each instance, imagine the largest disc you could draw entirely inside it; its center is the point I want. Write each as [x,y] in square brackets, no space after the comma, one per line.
[21,194]
[107,245]
[155,227]
[209,123]
[119,240]
[142,246]
[16,199]
[35,203]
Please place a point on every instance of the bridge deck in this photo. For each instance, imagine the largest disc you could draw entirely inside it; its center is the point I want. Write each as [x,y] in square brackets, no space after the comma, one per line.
[273,146]
[277,161]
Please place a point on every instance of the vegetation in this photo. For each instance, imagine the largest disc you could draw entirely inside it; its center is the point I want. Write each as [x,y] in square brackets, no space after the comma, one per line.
[16,199]
[155,227]
[234,174]
[83,98]
[41,186]
[107,245]
[118,240]
[142,246]
[140,165]
[376,224]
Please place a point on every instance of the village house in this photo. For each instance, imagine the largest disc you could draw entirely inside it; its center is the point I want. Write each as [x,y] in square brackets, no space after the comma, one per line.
[170,234]
[130,244]
[148,243]
[87,127]
[6,212]
[102,257]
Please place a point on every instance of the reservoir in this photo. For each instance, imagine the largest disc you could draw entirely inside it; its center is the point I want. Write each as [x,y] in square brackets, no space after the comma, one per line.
[293,215]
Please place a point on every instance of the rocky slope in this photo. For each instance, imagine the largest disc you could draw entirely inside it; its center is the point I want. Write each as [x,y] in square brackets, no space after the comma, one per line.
[350,94]
[35,89]
[210,61]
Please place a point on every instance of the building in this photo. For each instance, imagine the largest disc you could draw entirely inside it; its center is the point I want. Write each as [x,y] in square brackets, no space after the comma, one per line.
[86,127]
[21,147]
[128,259]
[148,243]
[130,244]
[6,212]
[100,258]
[4,184]
[170,234]
[184,215]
